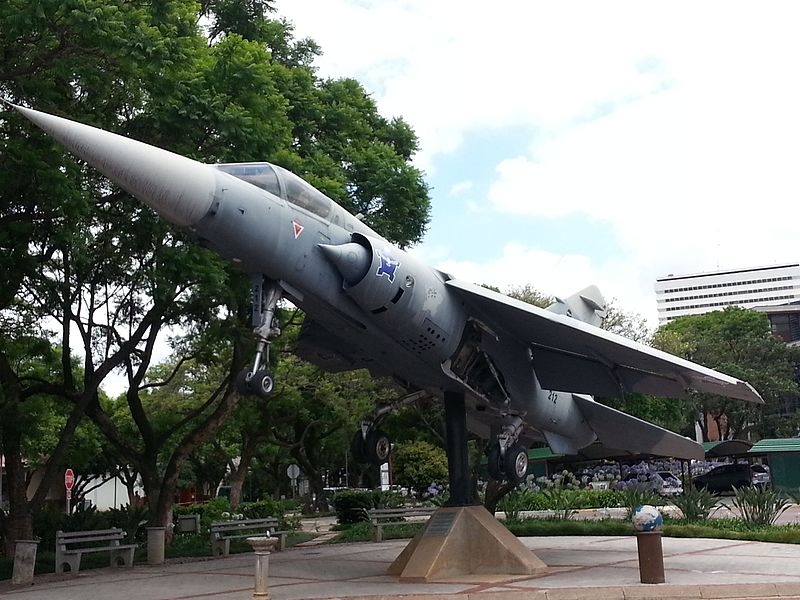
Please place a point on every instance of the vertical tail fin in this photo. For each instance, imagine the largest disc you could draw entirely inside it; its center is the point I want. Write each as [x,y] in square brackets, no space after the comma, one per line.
[588,306]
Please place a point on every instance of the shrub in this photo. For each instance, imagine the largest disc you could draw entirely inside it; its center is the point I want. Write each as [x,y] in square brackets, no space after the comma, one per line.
[209,512]
[514,502]
[131,519]
[562,501]
[634,496]
[418,464]
[694,503]
[759,505]
[351,506]
[271,508]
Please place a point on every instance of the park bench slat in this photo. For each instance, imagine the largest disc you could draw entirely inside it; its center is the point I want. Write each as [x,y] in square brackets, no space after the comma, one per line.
[380,517]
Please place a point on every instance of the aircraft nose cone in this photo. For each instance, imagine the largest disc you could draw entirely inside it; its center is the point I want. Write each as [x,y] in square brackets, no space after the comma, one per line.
[351,260]
[180,189]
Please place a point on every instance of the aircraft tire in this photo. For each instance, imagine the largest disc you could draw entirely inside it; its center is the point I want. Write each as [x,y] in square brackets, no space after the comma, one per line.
[378,447]
[358,448]
[242,384]
[263,383]
[515,464]
[494,462]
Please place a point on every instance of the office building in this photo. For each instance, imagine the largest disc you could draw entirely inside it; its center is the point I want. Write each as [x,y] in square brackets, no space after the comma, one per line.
[695,294]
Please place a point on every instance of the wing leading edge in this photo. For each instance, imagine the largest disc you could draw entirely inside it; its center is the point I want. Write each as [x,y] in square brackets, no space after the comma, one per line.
[571,356]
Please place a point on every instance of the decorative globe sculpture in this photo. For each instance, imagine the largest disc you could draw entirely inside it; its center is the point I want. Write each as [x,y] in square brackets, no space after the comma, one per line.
[647,518]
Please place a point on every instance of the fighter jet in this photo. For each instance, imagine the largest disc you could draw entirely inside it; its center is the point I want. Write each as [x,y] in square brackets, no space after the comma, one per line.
[525,374]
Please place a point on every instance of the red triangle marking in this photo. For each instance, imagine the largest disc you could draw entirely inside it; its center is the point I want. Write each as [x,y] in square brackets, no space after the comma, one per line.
[298,229]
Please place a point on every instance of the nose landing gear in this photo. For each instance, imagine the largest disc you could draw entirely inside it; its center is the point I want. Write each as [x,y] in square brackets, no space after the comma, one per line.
[264,297]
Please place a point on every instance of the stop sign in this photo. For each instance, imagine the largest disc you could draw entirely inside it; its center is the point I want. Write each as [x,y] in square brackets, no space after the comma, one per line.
[69,479]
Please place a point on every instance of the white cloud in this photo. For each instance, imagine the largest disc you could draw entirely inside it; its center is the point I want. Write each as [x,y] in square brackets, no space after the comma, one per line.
[556,275]
[676,123]
[457,189]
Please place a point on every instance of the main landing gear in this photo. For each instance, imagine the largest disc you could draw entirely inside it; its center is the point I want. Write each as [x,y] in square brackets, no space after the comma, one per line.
[370,444]
[506,457]
[258,379]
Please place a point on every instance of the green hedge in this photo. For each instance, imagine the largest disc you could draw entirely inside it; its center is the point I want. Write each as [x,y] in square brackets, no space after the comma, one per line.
[351,506]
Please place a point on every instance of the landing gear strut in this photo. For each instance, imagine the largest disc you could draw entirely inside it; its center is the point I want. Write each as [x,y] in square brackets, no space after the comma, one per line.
[372,445]
[506,457]
[258,379]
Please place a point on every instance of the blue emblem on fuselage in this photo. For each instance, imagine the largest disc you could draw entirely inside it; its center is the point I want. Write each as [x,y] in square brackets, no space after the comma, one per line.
[387,267]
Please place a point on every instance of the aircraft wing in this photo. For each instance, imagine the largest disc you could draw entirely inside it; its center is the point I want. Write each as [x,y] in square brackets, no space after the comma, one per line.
[572,356]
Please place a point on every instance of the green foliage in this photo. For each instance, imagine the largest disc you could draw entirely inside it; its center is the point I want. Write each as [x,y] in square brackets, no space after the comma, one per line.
[759,505]
[48,521]
[695,504]
[271,508]
[79,252]
[547,527]
[351,506]
[513,503]
[354,532]
[737,342]
[632,497]
[362,532]
[563,502]
[209,512]
[417,465]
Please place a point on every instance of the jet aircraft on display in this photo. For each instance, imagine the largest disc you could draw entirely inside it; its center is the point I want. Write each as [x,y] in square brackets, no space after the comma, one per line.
[525,374]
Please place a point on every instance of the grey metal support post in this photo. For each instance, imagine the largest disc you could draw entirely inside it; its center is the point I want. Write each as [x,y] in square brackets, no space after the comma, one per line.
[455,415]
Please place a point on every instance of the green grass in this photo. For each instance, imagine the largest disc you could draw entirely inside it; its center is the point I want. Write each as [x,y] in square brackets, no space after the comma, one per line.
[732,529]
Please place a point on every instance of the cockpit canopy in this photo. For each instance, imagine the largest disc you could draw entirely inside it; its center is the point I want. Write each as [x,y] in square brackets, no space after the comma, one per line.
[282,183]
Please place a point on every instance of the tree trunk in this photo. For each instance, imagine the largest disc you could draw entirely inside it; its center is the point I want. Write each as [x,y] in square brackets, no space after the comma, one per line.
[495,491]
[236,479]
[19,524]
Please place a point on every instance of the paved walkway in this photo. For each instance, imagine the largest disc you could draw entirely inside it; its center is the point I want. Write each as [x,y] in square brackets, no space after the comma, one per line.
[598,567]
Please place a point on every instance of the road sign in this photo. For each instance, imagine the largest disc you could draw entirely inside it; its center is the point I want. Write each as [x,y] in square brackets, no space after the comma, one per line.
[293,471]
[69,479]
[69,494]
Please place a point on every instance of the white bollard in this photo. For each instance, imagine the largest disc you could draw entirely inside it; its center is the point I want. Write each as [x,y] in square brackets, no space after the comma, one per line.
[262,547]
[24,562]
[155,545]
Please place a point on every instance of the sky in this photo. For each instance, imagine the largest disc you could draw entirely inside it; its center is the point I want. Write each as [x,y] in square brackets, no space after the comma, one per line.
[570,143]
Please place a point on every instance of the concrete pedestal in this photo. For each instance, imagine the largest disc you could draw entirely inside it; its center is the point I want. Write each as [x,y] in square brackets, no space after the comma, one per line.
[464,540]
[262,546]
[155,545]
[24,562]
[651,557]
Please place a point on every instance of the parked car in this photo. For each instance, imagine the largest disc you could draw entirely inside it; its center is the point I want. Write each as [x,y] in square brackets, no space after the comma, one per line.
[725,477]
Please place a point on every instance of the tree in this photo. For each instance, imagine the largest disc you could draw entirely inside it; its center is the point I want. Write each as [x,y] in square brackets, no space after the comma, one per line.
[417,465]
[81,254]
[737,342]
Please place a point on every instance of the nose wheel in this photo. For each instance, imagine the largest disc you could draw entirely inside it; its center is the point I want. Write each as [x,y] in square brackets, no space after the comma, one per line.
[261,383]
[258,379]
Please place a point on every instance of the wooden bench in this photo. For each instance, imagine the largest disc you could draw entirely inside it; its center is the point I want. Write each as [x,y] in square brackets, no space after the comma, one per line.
[71,545]
[222,532]
[380,517]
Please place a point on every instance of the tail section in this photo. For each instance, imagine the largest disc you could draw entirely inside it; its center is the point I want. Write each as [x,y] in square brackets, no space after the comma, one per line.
[588,306]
